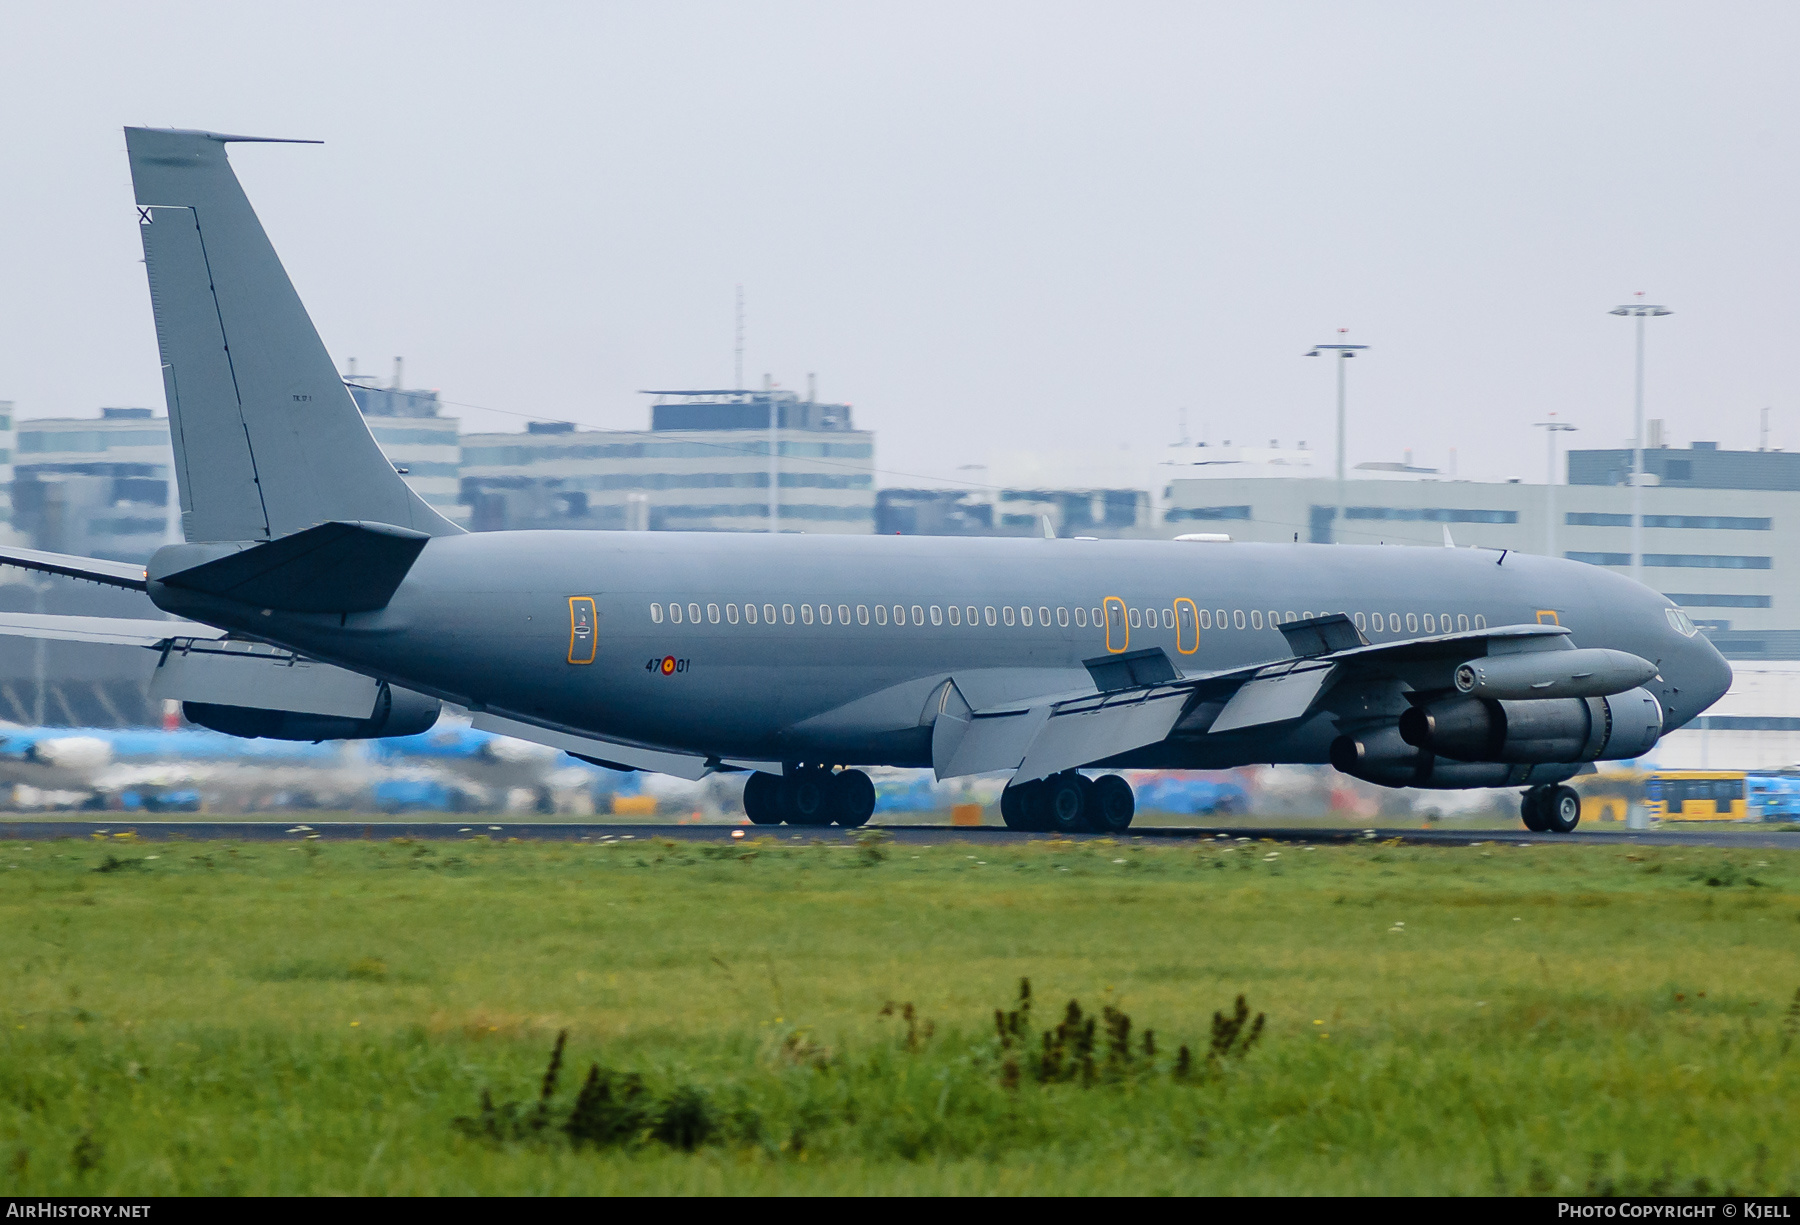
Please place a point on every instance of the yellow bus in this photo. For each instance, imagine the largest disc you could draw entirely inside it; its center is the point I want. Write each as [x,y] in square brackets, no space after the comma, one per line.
[1697,795]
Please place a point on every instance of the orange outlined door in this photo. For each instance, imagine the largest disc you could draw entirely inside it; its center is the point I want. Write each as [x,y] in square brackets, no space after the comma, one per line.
[583,640]
[1118,625]
[1187,626]
[1547,616]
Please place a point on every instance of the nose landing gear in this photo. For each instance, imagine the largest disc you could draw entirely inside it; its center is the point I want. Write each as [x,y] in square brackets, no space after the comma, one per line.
[810,795]
[1070,803]
[1550,809]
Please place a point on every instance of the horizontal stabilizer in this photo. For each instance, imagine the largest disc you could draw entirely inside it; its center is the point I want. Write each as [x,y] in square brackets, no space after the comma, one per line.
[128,575]
[331,568]
[103,631]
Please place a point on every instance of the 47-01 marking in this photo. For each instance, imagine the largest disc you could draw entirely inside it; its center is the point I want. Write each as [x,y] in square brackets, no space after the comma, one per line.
[668,665]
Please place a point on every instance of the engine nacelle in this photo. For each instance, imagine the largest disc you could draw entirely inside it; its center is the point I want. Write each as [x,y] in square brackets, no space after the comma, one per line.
[1381,756]
[1619,726]
[1591,672]
[398,712]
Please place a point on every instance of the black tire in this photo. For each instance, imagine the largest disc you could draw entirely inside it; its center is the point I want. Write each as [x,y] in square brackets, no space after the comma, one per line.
[1012,807]
[806,797]
[853,798]
[1531,810]
[1113,804]
[762,799]
[1065,803]
[1561,810]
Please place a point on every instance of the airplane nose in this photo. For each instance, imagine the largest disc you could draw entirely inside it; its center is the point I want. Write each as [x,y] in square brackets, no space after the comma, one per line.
[1704,676]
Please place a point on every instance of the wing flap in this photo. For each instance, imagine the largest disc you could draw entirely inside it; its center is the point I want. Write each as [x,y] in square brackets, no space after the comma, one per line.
[609,753]
[1088,733]
[1273,697]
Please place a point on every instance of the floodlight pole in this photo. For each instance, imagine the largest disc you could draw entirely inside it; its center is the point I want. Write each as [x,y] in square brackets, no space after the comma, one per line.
[1639,311]
[1551,430]
[1343,353]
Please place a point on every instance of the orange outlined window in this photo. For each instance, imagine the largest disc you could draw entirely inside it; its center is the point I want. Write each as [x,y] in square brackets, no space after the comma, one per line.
[583,641]
[1187,626]
[1547,616]
[1118,628]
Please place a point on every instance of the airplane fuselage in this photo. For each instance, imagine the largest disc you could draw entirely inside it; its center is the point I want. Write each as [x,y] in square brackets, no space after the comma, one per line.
[829,648]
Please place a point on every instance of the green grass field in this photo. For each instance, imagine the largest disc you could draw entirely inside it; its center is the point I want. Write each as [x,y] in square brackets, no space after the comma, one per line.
[309,1018]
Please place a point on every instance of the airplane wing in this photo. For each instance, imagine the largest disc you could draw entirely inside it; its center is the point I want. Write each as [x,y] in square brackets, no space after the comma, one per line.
[1143,696]
[110,631]
[91,569]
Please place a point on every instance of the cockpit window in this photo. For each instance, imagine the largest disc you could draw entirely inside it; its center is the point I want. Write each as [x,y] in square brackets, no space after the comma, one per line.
[1683,623]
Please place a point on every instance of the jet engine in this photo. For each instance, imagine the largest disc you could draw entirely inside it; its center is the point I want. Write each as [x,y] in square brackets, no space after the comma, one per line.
[398,712]
[1588,673]
[1381,756]
[1477,729]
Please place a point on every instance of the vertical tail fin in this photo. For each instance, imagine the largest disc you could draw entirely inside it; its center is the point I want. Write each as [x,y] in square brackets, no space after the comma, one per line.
[267,439]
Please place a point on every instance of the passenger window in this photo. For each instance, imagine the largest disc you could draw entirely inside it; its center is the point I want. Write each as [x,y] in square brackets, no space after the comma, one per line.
[1168,616]
[1443,623]
[988,614]
[1255,618]
[787,614]
[1006,614]
[1394,623]
[1412,623]
[1062,617]
[675,613]
[824,614]
[1136,619]
[1025,615]
[1205,615]
[918,615]
[731,613]
[974,618]
[1081,617]
[750,614]
[712,613]
[955,615]
[1274,618]
[1290,616]
[1043,615]
[899,615]
[1480,622]
[694,613]
[806,616]
[1099,618]
[1462,622]
[1430,624]
[769,614]
[881,614]
[1237,618]
[1187,626]
[862,614]
[1362,622]
[937,615]
[656,614]
[843,614]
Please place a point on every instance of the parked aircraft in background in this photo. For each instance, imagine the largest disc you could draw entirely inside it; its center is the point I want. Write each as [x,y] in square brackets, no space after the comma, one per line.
[322,599]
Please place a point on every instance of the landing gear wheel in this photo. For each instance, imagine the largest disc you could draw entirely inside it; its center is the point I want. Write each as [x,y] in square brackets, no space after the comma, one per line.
[1561,810]
[1065,802]
[762,799]
[1021,807]
[1532,809]
[852,798]
[806,797]
[1113,805]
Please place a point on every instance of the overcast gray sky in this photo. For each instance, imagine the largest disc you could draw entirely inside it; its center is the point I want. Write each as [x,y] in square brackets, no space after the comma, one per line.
[985,225]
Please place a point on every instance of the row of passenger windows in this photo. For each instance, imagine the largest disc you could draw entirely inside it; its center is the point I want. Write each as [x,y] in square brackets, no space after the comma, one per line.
[1183,614]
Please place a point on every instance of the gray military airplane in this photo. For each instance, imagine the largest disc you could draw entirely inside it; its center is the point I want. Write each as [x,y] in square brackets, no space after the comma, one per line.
[318,597]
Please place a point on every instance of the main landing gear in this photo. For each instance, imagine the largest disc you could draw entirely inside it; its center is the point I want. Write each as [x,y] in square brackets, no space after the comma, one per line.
[1551,809]
[810,795]
[1070,803]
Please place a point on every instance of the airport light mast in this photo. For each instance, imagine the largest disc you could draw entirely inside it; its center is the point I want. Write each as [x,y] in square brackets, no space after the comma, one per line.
[1639,311]
[1551,430]
[1343,353]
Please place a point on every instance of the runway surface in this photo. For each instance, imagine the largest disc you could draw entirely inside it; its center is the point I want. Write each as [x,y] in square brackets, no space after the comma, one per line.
[1746,837]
